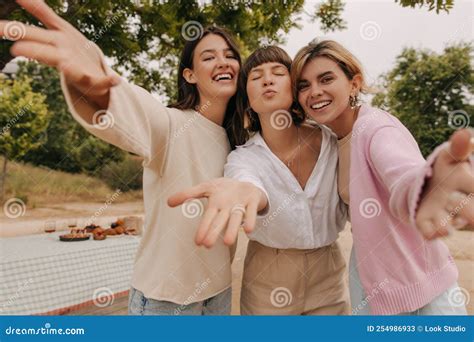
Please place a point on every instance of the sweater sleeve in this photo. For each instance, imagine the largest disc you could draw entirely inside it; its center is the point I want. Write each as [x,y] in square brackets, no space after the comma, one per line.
[134,121]
[400,166]
[239,167]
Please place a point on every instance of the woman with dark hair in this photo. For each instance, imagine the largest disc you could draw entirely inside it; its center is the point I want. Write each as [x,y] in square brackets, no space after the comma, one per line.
[182,145]
[293,265]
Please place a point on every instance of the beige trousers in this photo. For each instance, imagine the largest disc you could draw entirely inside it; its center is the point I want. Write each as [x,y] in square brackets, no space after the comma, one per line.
[294,281]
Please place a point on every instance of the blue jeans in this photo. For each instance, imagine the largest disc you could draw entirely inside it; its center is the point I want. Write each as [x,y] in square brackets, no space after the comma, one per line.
[441,305]
[218,305]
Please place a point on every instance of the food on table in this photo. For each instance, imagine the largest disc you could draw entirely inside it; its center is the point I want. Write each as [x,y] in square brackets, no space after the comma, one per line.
[120,230]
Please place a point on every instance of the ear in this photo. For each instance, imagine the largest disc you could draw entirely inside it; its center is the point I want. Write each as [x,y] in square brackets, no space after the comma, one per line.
[188,75]
[356,83]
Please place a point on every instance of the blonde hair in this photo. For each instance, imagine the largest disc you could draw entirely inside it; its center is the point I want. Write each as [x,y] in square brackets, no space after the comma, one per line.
[348,63]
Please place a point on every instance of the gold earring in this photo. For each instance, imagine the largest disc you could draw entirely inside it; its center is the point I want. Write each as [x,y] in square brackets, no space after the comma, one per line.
[353,101]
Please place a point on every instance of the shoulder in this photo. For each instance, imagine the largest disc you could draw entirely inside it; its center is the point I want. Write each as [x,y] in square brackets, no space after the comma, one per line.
[371,120]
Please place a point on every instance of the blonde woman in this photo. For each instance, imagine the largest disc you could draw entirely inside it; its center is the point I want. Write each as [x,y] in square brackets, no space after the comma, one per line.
[396,198]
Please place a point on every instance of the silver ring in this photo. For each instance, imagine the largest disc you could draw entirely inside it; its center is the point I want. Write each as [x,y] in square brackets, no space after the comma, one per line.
[238,208]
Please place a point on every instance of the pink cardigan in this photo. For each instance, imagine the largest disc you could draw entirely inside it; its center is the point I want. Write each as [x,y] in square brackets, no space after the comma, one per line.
[399,270]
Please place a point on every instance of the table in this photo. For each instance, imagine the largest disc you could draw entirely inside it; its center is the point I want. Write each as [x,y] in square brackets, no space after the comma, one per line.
[42,275]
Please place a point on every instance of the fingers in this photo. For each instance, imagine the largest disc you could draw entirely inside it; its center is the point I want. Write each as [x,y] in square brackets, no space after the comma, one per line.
[43,53]
[107,81]
[15,30]
[205,225]
[198,191]
[251,216]
[90,85]
[233,227]
[432,229]
[461,209]
[217,226]
[460,145]
[43,13]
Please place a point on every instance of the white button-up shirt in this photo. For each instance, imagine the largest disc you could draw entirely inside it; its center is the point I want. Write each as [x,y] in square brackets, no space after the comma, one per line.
[296,218]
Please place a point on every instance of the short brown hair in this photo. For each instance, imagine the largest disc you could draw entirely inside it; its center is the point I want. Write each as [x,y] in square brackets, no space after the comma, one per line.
[268,54]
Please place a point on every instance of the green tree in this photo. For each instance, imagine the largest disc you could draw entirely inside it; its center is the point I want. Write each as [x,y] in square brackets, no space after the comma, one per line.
[430,93]
[143,38]
[67,145]
[134,33]
[23,118]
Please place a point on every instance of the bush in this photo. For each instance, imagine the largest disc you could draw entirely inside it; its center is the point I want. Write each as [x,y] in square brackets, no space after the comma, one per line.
[125,175]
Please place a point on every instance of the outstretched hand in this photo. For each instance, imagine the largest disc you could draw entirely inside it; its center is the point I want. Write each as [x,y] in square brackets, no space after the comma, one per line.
[231,204]
[62,46]
[447,202]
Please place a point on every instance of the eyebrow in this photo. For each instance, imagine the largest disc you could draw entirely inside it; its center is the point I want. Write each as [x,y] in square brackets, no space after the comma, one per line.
[259,69]
[214,50]
[321,75]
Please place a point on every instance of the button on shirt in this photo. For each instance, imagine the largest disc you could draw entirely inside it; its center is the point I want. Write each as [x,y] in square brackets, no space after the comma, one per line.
[295,218]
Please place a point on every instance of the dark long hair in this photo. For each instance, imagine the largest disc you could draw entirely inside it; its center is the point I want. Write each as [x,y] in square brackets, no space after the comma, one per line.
[245,120]
[188,94]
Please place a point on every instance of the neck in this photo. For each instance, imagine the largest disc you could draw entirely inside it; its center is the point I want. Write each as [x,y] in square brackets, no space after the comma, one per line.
[213,110]
[280,141]
[343,125]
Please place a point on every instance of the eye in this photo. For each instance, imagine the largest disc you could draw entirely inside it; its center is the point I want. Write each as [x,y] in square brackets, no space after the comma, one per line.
[231,56]
[302,86]
[326,79]
[255,78]
[208,58]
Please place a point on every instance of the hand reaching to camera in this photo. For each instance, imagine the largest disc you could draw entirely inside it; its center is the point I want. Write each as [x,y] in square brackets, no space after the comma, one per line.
[447,201]
[230,203]
[62,46]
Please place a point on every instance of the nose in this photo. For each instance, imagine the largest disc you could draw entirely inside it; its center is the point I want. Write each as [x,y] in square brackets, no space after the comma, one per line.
[267,79]
[315,90]
[222,62]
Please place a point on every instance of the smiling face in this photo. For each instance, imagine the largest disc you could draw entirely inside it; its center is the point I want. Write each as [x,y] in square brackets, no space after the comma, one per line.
[269,88]
[323,90]
[215,68]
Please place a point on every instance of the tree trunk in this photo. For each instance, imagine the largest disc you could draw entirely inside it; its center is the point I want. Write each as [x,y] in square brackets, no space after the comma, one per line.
[4,176]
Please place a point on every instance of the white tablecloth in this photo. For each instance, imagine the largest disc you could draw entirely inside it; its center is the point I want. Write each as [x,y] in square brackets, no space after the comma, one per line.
[40,274]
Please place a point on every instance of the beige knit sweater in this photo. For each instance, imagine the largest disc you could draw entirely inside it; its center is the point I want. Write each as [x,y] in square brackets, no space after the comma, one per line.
[180,149]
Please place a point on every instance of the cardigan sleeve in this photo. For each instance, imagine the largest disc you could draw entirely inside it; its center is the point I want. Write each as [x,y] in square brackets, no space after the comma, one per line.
[401,168]
[134,121]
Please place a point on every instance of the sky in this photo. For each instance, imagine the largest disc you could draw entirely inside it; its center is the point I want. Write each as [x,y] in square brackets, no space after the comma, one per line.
[378,30]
